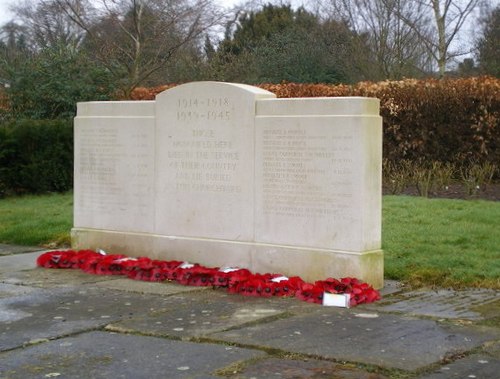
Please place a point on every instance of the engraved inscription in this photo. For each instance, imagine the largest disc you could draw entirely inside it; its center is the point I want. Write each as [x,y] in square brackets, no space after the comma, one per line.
[204,160]
[106,161]
[306,174]
[204,109]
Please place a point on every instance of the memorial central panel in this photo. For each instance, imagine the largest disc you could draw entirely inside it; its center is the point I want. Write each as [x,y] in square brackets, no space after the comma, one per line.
[205,161]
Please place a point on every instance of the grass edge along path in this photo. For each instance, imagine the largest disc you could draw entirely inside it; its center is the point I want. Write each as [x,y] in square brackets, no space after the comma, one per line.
[427,242]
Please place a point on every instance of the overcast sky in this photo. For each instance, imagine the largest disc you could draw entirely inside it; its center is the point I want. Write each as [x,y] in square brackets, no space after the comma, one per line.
[6,15]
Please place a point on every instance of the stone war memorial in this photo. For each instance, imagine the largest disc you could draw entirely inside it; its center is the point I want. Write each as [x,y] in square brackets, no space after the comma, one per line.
[225,174]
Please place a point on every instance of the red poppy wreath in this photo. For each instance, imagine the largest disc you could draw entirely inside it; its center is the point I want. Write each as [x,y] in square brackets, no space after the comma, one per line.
[235,280]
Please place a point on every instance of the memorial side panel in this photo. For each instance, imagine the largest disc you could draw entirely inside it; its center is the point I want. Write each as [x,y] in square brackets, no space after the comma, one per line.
[205,161]
[310,183]
[114,173]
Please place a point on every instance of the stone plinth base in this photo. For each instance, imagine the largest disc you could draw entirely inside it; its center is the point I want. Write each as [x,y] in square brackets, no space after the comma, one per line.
[309,263]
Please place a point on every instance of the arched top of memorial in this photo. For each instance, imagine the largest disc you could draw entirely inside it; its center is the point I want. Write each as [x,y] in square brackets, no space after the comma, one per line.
[208,88]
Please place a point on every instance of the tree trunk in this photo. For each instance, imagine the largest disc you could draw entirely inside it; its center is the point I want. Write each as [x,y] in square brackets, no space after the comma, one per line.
[441,28]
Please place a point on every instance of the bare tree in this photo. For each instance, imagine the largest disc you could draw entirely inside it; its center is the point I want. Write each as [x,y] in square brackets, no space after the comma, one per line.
[46,24]
[14,47]
[488,52]
[449,17]
[395,45]
[404,30]
[136,38]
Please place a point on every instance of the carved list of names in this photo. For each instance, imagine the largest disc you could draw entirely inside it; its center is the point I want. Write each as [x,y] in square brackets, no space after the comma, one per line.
[306,173]
[114,172]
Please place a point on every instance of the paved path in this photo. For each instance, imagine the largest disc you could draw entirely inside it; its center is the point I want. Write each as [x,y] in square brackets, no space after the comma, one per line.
[68,324]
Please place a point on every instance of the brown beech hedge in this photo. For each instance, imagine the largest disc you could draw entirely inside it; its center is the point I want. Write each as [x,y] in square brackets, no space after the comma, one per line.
[450,120]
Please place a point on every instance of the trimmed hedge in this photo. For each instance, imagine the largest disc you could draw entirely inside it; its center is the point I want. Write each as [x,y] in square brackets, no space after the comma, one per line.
[451,120]
[36,156]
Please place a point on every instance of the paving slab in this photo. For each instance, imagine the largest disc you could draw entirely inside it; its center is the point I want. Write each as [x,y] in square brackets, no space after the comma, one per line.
[129,285]
[6,249]
[52,278]
[492,348]
[474,304]
[10,290]
[106,355]
[208,312]
[19,262]
[391,287]
[52,313]
[474,366]
[384,340]
[303,369]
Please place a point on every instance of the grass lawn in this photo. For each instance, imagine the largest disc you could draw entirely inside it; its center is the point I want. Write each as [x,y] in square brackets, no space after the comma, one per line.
[44,220]
[442,242]
[439,242]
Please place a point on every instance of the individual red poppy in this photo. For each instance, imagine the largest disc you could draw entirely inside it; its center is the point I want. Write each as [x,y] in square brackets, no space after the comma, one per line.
[185,273]
[332,285]
[90,263]
[80,257]
[295,284]
[48,260]
[139,269]
[235,278]
[363,293]
[310,293]
[248,287]
[156,274]
[166,268]
[350,281]
[202,276]
[109,265]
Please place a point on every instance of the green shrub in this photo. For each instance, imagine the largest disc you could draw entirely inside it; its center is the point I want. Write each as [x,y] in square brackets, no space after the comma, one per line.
[36,156]
[48,84]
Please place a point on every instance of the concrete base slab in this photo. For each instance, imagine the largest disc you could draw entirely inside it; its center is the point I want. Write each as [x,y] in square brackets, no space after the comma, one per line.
[379,339]
[107,355]
[309,263]
[474,366]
